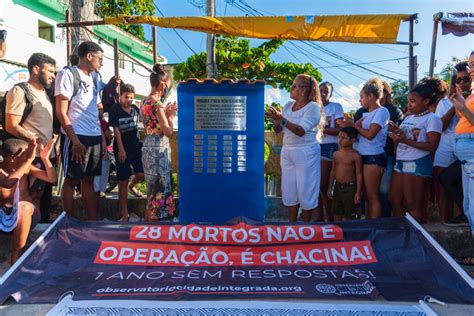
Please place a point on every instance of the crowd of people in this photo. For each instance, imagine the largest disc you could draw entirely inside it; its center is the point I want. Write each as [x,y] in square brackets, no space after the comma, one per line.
[382,161]
[70,104]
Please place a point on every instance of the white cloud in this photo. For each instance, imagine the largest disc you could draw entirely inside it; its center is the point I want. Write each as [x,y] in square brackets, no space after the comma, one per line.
[348,96]
[275,95]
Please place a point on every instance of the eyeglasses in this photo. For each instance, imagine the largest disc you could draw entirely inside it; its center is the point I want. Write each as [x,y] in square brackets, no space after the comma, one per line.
[99,58]
[463,80]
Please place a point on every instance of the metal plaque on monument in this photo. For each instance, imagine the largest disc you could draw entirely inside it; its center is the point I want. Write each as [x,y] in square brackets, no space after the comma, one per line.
[220,145]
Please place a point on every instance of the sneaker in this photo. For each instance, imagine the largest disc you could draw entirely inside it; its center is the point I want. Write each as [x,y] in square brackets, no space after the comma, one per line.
[460,220]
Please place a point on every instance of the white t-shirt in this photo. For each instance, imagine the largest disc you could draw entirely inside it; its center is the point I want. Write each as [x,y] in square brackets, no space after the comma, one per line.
[415,128]
[83,112]
[376,145]
[308,118]
[333,112]
[446,142]
[444,105]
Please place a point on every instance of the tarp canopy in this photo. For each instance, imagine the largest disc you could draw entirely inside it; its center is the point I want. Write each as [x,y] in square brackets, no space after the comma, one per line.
[459,24]
[336,28]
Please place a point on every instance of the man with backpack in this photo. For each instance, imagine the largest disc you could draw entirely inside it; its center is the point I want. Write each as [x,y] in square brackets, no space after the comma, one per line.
[77,91]
[28,115]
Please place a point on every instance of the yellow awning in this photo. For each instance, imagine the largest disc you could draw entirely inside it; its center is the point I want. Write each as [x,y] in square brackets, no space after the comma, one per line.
[337,28]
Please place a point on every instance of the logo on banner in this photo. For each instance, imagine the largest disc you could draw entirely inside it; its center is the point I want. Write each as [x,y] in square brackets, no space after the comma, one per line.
[365,288]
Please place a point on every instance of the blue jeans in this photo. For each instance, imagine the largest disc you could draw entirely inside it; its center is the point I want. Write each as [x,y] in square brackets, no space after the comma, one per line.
[328,150]
[385,184]
[464,150]
[379,160]
[421,167]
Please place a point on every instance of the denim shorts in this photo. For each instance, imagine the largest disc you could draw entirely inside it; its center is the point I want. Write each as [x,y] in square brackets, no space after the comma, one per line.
[379,160]
[328,150]
[422,167]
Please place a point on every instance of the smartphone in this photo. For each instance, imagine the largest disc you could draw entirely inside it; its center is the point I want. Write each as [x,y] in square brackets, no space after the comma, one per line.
[452,85]
[3,35]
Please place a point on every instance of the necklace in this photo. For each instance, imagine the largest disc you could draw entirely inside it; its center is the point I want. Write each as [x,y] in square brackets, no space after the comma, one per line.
[423,113]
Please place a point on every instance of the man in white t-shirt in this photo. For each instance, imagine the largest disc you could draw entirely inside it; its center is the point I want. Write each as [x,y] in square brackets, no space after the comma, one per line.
[82,143]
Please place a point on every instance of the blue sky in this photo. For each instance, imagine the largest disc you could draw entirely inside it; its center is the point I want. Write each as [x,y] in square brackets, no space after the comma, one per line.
[346,79]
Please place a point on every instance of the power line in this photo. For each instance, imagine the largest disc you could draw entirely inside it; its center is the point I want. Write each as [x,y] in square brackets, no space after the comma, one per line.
[310,56]
[176,54]
[360,62]
[370,62]
[333,54]
[182,39]
[332,75]
[197,4]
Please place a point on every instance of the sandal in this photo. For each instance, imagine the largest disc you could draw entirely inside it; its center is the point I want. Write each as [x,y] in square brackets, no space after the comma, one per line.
[135,193]
[123,219]
[468,261]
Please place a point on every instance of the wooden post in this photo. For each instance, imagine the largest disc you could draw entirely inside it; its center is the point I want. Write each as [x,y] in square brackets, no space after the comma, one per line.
[68,39]
[412,60]
[153,32]
[116,63]
[434,38]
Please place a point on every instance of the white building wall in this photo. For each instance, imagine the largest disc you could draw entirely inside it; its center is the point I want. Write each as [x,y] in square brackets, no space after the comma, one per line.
[23,40]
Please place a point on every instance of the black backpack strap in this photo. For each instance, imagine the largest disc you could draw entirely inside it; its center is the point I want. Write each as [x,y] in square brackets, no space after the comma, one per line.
[76,82]
[28,101]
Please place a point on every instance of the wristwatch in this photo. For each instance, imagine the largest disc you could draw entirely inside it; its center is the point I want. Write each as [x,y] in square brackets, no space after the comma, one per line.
[283,122]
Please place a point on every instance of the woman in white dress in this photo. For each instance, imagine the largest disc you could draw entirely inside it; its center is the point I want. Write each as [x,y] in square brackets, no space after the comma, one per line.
[301,122]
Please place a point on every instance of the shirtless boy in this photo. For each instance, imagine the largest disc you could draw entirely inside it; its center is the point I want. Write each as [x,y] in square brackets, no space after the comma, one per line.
[345,181]
[16,215]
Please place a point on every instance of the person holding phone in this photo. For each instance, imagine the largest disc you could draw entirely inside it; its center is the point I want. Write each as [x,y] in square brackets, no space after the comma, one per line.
[444,155]
[417,137]
[396,117]
[301,122]
[464,142]
[373,129]
[450,176]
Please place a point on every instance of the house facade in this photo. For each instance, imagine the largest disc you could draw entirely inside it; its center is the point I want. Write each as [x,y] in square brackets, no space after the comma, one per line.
[31,27]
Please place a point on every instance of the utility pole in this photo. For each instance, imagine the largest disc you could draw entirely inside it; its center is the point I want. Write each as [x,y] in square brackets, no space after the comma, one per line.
[211,67]
[81,10]
[412,60]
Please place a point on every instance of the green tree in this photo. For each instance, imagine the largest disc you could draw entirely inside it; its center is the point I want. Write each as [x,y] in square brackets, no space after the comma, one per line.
[446,71]
[400,93]
[235,59]
[126,7]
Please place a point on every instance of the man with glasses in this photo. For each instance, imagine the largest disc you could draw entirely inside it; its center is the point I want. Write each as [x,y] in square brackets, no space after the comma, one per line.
[82,143]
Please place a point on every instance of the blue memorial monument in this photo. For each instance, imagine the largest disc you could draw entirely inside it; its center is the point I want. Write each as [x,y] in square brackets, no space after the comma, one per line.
[220,145]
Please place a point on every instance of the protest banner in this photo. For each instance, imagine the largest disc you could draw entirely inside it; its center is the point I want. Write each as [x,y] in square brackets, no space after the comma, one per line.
[391,257]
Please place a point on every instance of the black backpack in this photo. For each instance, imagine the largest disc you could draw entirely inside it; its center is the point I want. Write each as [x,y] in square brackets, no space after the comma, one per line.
[29,103]
[28,108]
[76,83]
